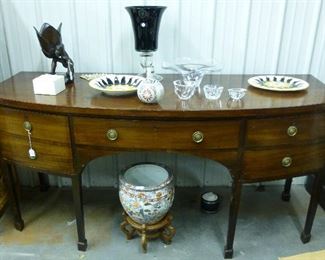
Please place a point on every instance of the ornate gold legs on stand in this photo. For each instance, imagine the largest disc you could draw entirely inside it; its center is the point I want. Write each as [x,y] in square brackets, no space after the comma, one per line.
[162,229]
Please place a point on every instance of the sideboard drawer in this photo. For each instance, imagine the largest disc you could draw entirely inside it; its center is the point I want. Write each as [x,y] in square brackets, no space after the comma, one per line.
[50,138]
[144,134]
[285,162]
[44,126]
[287,130]
[52,157]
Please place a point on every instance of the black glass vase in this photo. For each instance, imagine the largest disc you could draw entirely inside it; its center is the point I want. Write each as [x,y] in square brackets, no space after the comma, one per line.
[145,23]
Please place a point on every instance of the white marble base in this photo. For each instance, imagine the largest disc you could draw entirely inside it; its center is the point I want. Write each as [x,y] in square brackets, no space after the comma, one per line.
[48,84]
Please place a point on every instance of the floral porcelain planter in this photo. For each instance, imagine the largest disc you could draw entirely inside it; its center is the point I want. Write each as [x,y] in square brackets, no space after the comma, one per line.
[146,192]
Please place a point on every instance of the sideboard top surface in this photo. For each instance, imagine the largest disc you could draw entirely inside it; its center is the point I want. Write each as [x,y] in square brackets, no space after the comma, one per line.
[79,98]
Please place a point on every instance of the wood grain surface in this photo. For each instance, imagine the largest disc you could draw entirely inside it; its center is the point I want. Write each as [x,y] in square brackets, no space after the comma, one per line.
[79,98]
[250,137]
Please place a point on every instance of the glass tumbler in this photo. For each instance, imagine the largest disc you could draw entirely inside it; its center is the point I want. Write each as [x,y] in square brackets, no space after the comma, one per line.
[237,93]
[184,90]
[212,92]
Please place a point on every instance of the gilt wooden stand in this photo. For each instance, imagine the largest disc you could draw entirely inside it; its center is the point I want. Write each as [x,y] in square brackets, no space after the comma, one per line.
[162,229]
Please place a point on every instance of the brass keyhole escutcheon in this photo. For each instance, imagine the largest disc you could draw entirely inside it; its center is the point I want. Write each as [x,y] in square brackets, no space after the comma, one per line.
[112,134]
[27,126]
[197,137]
[292,130]
[286,161]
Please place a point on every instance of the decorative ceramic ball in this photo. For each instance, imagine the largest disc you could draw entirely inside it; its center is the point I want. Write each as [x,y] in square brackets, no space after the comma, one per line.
[146,192]
[150,91]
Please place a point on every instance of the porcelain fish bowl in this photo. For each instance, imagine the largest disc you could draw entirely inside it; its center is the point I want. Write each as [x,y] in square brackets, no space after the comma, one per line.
[146,192]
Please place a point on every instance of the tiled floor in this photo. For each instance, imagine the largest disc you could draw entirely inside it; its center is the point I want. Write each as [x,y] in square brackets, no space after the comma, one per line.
[267,227]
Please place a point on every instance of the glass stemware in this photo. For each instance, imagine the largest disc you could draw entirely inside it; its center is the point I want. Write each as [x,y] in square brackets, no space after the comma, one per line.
[145,23]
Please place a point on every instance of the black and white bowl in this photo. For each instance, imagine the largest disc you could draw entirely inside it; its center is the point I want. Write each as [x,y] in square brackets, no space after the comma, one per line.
[278,83]
[117,85]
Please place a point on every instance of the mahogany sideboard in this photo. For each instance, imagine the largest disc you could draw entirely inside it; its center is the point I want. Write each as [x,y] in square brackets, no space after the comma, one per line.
[266,136]
[3,194]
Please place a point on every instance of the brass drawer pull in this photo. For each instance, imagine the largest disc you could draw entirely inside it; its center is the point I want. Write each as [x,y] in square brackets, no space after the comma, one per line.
[27,126]
[292,130]
[31,151]
[112,134]
[286,161]
[197,137]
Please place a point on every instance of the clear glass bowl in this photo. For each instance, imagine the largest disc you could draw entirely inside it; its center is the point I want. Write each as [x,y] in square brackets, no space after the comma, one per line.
[212,92]
[193,69]
[184,89]
[186,65]
[237,93]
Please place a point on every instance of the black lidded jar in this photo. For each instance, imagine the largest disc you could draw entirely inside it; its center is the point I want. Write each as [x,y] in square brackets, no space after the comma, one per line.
[210,202]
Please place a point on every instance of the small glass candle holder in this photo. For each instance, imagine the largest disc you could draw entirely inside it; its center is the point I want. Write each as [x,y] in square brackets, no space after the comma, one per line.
[212,92]
[184,90]
[237,93]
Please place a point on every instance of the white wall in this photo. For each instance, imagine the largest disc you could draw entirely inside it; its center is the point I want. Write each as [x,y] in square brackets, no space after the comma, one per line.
[247,36]
[5,68]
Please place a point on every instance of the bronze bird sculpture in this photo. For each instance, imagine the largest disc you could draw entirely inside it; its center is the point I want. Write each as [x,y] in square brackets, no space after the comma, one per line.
[51,43]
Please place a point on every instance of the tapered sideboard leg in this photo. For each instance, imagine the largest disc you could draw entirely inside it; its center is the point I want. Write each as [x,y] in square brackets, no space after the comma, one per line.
[9,171]
[305,235]
[44,184]
[232,220]
[78,204]
[286,191]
